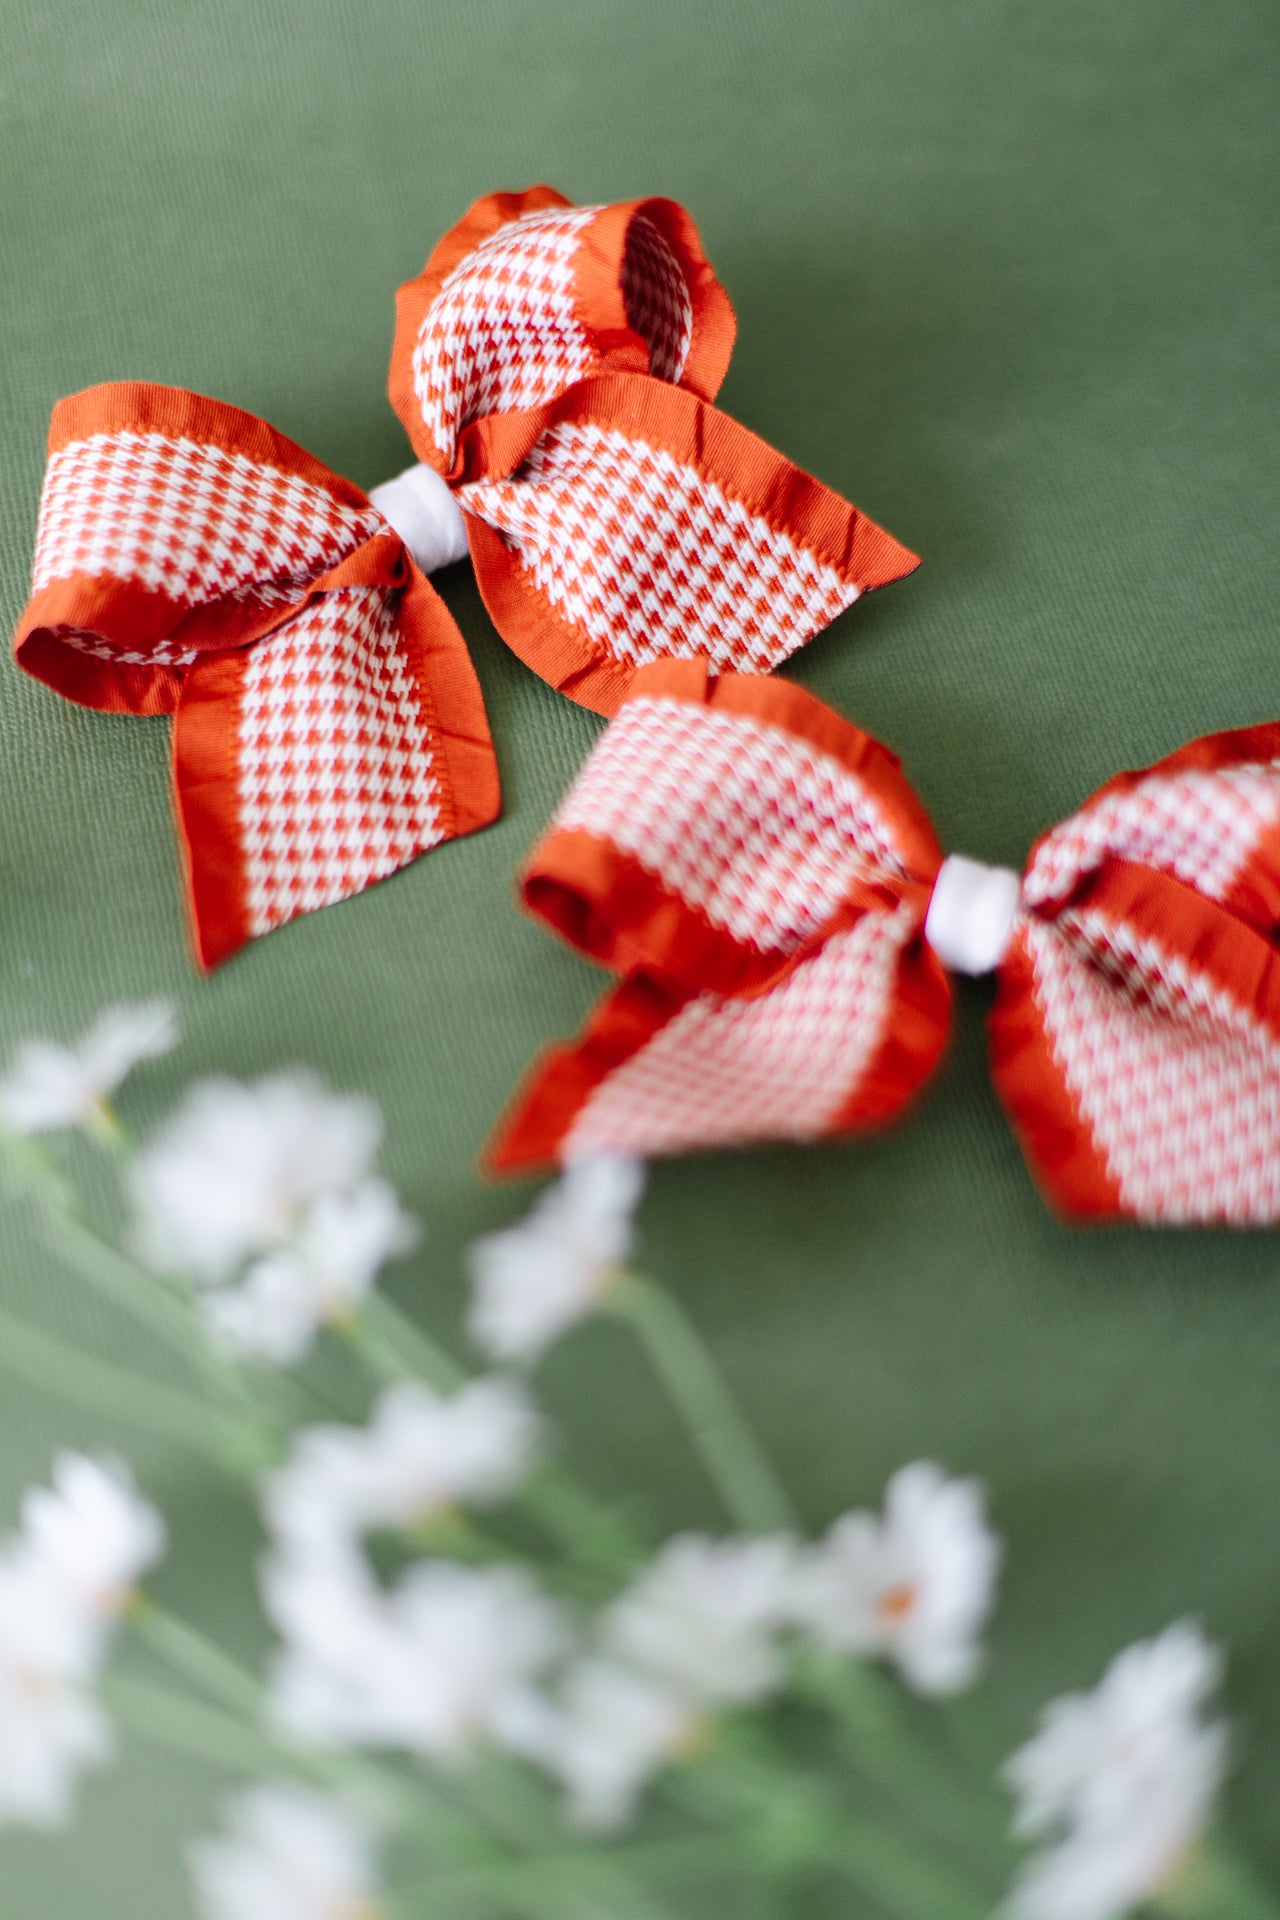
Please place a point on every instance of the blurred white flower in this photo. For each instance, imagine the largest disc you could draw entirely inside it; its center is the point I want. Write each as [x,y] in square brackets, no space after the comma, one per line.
[51,1728]
[1121,1781]
[288,1854]
[701,1627]
[236,1169]
[421,1453]
[51,1086]
[915,1586]
[534,1280]
[92,1533]
[481,1636]
[341,1673]
[341,1245]
[610,1733]
[442,1660]
[705,1618]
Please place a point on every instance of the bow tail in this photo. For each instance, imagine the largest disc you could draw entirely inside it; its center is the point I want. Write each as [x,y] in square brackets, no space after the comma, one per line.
[643,524]
[1135,1043]
[324,757]
[841,1043]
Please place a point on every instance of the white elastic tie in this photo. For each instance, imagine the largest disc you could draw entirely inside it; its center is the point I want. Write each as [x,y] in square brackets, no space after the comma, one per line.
[970,919]
[423,511]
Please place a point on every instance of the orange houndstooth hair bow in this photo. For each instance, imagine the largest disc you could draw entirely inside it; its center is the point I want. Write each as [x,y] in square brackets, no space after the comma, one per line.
[772,892]
[554,367]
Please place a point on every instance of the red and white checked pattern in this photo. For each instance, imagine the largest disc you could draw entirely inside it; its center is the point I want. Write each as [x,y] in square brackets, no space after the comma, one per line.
[653,561]
[1199,824]
[503,331]
[778,1067]
[656,296]
[336,768]
[162,654]
[1178,1083]
[760,831]
[185,518]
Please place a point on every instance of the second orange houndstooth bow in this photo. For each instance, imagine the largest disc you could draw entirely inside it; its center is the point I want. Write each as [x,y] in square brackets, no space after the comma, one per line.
[554,367]
[770,888]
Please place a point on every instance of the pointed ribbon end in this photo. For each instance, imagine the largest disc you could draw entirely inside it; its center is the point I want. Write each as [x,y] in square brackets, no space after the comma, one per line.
[879,559]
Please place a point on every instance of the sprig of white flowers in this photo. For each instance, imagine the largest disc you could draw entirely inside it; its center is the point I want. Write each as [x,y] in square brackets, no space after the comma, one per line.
[50,1086]
[417,1612]
[1120,1782]
[67,1578]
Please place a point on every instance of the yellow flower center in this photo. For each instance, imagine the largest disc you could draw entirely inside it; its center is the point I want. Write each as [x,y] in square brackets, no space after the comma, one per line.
[694,1738]
[895,1603]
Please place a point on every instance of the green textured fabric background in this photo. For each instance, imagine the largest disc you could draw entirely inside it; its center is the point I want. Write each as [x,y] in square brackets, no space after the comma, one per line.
[1005,275]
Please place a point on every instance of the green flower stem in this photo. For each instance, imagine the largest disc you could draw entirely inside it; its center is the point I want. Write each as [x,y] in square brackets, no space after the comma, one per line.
[905,1881]
[725,1443]
[393,1346]
[588,1527]
[965,1813]
[70,1374]
[206,1664]
[508,1801]
[146,1298]
[197,1657]
[509,1805]
[393,1349]
[801,1822]
[543,1882]
[1217,1885]
[241,1745]
[188,1727]
[521,1810]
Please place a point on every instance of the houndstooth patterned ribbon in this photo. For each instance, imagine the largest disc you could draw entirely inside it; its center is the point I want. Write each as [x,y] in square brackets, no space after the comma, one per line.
[328,724]
[772,892]
[554,366]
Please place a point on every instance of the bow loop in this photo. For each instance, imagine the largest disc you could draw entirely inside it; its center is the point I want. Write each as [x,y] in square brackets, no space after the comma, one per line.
[557,365]
[171,524]
[529,294]
[1208,815]
[718,827]
[1135,1039]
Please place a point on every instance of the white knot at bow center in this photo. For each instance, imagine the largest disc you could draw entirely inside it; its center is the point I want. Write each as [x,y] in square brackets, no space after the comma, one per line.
[971,914]
[421,508]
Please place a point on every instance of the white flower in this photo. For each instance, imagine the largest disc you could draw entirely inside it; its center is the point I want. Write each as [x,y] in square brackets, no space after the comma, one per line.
[700,1628]
[290,1854]
[237,1167]
[613,1729]
[342,1672]
[916,1586]
[92,1533]
[483,1636]
[532,1281]
[446,1658]
[1121,1780]
[706,1616]
[341,1245]
[50,1726]
[51,1086]
[421,1453]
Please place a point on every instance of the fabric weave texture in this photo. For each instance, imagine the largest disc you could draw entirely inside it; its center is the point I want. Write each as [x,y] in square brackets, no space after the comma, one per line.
[1004,275]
